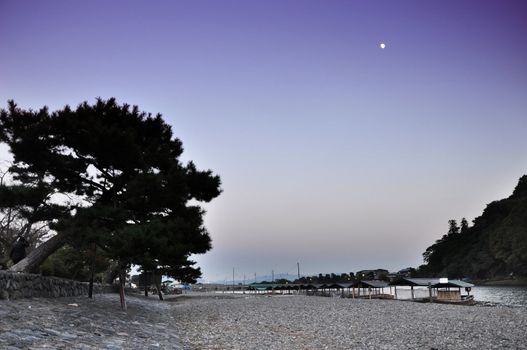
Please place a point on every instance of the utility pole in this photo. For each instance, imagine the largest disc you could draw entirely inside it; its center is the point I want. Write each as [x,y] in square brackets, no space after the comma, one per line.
[233,280]
[255,277]
[298,268]
[272,272]
[243,285]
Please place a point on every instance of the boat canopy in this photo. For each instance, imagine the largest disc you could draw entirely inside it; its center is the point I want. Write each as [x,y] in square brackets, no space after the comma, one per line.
[433,282]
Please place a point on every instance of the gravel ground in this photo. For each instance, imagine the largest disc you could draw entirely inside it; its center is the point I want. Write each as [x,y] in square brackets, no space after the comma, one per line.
[47,323]
[301,322]
[217,321]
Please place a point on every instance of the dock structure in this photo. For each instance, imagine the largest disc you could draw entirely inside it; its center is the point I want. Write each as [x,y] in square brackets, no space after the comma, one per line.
[360,289]
[439,289]
[270,287]
[375,289]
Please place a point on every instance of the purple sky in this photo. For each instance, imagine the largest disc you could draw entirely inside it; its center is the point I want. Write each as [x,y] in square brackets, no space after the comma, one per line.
[333,152]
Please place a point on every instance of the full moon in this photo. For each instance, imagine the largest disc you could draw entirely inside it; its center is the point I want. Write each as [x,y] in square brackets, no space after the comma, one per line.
[382,45]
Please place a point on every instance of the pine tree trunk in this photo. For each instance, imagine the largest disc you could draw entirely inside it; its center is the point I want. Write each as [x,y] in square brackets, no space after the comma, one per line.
[31,262]
[92,270]
[147,284]
[121,288]
[157,285]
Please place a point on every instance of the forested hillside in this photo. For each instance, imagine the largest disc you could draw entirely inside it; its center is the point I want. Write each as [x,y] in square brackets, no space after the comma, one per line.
[495,246]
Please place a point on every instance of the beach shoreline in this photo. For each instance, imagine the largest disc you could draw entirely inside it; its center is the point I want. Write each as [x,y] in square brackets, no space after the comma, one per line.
[517,282]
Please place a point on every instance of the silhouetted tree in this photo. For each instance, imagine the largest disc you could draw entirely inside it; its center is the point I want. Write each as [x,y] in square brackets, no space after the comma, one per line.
[435,254]
[453,228]
[464,226]
[120,166]
[282,281]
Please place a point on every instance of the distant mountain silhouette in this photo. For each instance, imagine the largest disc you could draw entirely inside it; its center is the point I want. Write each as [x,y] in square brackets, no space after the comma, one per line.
[495,246]
[259,279]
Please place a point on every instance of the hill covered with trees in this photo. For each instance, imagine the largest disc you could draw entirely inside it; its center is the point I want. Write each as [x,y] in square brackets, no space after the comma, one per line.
[495,246]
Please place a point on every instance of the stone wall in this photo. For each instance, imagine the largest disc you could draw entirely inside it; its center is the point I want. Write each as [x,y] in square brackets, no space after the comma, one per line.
[25,285]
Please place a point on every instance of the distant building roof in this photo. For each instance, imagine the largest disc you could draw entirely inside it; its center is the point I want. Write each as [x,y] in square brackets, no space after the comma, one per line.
[262,286]
[372,284]
[342,285]
[372,271]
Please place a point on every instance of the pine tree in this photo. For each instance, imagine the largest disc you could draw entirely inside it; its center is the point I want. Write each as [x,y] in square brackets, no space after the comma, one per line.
[453,228]
[122,168]
[464,226]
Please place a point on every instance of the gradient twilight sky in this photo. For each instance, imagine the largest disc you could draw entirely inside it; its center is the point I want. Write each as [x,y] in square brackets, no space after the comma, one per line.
[332,151]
